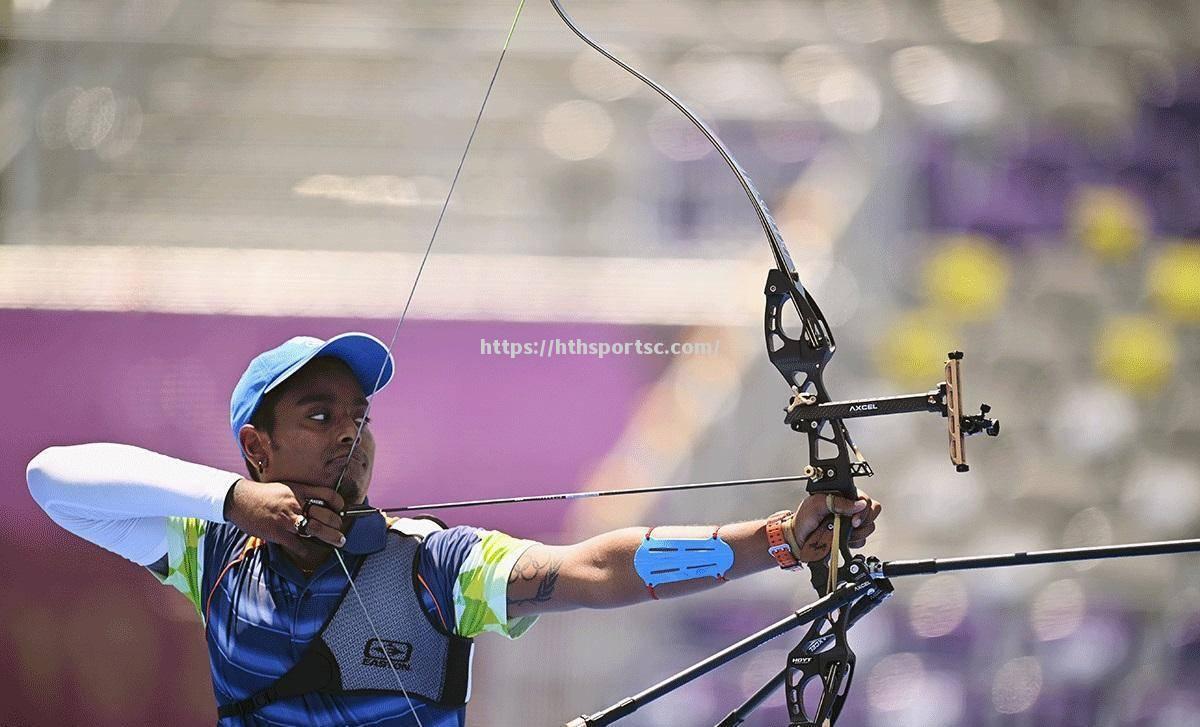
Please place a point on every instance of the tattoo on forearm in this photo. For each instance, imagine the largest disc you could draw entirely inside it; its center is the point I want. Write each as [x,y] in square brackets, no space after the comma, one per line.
[544,571]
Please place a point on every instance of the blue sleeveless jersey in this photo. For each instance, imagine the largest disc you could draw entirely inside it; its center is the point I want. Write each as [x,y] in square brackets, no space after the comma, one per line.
[260,613]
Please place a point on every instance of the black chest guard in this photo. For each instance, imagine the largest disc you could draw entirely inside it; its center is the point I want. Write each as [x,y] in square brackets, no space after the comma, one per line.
[346,658]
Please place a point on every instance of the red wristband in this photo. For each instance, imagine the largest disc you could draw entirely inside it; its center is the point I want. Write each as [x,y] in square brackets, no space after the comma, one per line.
[777,544]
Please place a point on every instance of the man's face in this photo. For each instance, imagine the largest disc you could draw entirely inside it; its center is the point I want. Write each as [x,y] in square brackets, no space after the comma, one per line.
[316,417]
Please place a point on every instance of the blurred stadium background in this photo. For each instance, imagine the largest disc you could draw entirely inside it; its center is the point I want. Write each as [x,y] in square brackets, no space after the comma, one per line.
[183,184]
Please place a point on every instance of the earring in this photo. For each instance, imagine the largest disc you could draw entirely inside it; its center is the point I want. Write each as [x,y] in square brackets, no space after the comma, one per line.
[260,466]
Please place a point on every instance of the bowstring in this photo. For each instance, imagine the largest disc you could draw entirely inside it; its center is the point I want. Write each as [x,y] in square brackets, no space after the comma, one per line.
[396,332]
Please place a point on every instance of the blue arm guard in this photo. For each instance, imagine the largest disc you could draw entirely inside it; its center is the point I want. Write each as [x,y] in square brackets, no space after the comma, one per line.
[667,560]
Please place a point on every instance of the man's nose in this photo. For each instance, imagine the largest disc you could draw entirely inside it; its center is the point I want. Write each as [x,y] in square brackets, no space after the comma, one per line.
[348,429]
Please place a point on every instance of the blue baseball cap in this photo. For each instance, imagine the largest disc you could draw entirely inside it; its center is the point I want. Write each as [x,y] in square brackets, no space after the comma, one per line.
[362,352]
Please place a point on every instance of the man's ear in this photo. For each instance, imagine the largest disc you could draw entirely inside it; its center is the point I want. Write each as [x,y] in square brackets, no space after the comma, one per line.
[255,444]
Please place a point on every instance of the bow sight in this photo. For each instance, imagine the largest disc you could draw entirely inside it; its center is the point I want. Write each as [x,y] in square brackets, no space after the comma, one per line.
[805,414]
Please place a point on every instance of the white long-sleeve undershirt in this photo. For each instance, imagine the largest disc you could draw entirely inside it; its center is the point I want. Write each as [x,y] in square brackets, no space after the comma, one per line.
[119,496]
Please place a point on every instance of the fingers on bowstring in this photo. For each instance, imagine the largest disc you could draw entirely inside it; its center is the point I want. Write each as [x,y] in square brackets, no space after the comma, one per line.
[331,497]
[326,517]
[319,516]
[317,528]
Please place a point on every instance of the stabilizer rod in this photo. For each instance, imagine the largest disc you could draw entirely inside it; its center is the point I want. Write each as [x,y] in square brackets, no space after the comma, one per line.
[897,568]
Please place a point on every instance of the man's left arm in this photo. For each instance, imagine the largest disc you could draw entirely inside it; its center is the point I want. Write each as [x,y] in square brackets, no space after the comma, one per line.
[599,572]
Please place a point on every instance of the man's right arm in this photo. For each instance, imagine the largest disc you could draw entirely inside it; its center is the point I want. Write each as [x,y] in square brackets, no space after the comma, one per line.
[121,497]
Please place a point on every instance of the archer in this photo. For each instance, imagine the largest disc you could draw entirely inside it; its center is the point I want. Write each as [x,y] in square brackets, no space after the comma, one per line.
[314,616]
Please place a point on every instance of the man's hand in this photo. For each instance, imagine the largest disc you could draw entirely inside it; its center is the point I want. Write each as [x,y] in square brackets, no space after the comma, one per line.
[270,510]
[814,520]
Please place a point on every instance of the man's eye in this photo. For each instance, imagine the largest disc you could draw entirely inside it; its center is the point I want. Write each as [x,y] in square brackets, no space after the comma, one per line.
[319,416]
[362,421]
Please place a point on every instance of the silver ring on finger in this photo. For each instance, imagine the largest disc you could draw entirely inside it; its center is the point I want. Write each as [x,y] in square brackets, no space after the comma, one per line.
[302,527]
[313,501]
